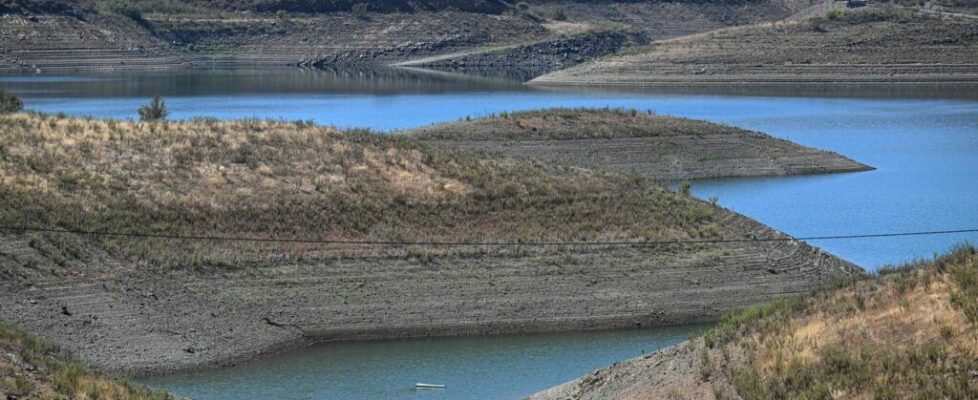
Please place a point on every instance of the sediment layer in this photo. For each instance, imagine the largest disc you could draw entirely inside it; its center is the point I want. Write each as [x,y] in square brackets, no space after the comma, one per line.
[881,44]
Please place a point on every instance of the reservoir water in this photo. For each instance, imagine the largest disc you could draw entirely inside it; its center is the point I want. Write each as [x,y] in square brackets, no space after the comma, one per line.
[923,140]
[504,367]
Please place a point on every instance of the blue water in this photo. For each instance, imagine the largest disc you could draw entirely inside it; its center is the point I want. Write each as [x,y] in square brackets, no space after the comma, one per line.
[922,140]
[504,367]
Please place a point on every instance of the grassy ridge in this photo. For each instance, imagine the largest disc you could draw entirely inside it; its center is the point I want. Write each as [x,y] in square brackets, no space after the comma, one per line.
[293,180]
[33,368]
[571,123]
[910,333]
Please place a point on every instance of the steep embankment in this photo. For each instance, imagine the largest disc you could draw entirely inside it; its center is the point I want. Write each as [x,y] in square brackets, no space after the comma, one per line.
[879,44]
[152,304]
[109,41]
[66,35]
[32,368]
[908,334]
[662,148]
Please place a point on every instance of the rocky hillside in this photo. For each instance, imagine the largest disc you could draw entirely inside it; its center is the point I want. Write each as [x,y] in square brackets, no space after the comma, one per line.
[206,295]
[662,148]
[910,333]
[876,44]
[58,35]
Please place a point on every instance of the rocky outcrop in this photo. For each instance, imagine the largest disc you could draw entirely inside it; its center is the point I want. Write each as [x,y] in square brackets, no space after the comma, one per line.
[546,56]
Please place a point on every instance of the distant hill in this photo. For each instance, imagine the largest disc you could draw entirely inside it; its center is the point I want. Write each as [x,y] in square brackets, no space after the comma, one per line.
[880,43]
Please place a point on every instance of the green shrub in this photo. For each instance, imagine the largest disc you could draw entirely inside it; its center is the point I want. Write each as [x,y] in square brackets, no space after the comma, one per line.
[685,188]
[359,10]
[124,8]
[706,365]
[22,385]
[10,103]
[66,379]
[834,15]
[558,14]
[155,111]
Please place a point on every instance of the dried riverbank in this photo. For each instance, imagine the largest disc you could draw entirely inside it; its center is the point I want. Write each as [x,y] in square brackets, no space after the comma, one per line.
[89,38]
[152,305]
[883,44]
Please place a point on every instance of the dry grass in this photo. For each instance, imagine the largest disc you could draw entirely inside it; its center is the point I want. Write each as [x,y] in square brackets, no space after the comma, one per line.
[897,336]
[32,368]
[572,123]
[293,180]
[852,46]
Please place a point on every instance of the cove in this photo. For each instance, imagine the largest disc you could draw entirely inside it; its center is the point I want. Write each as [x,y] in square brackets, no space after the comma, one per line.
[500,367]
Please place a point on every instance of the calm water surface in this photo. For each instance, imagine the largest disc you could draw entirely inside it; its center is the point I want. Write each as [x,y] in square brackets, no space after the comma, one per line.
[922,140]
[505,367]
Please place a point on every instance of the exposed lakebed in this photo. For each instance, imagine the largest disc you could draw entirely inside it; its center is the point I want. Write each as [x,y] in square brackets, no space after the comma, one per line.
[922,140]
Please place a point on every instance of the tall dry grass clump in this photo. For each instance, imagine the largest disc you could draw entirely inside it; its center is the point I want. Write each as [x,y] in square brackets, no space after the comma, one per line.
[909,333]
[46,372]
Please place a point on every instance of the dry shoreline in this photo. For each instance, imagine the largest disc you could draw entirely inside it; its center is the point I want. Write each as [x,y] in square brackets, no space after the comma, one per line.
[879,44]
[142,307]
[104,41]
[140,327]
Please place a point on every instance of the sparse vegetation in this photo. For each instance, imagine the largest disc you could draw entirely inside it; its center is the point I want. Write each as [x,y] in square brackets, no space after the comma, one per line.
[571,123]
[660,147]
[277,179]
[360,10]
[125,8]
[155,111]
[876,338]
[558,14]
[43,371]
[889,40]
[9,103]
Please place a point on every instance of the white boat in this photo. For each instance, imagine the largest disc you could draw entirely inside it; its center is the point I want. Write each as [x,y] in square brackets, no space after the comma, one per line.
[429,386]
